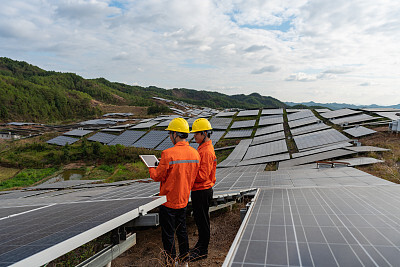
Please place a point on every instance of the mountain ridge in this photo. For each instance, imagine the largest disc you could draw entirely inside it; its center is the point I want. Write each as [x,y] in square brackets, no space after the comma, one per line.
[336,106]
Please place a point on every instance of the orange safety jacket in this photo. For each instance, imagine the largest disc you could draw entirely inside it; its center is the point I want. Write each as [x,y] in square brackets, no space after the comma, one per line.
[205,178]
[176,171]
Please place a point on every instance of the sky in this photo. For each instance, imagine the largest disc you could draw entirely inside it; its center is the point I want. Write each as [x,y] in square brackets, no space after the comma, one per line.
[345,51]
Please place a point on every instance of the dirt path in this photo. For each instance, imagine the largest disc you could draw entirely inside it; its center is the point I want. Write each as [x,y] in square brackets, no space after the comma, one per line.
[148,248]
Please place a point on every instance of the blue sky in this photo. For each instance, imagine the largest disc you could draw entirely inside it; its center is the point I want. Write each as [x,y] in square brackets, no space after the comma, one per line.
[298,50]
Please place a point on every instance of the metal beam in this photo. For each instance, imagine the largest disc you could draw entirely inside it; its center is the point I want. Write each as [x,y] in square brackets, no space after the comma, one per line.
[150,219]
[110,253]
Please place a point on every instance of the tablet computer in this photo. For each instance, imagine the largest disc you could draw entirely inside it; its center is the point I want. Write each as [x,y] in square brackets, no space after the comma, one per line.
[150,160]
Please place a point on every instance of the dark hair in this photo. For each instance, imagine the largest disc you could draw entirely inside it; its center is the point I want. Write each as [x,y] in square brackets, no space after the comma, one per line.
[182,135]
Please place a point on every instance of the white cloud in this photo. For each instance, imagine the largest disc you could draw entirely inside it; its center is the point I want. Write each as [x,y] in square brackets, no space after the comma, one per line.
[348,42]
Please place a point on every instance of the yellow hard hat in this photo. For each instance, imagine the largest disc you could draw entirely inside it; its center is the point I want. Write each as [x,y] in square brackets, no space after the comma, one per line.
[200,125]
[178,125]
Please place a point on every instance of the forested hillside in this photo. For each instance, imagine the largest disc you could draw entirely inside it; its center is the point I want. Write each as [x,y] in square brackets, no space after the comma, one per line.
[28,93]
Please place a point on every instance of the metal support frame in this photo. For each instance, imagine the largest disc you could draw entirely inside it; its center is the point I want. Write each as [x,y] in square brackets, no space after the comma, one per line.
[108,254]
[150,219]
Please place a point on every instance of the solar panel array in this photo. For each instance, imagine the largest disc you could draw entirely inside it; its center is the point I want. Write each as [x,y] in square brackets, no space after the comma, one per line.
[353,119]
[220,123]
[269,129]
[389,115]
[315,157]
[239,133]
[266,159]
[78,132]
[302,122]
[266,149]
[309,128]
[339,113]
[268,138]
[226,114]
[145,125]
[300,115]
[319,138]
[103,138]
[243,124]
[245,113]
[62,140]
[359,131]
[216,135]
[151,140]
[268,120]
[236,155]
[127,138]
[278,111]
[345,226]
[320,149]
[322,110]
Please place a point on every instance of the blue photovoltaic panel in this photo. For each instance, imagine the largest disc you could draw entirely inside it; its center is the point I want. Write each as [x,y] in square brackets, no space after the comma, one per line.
[216,135]
[79,133]
[127,138]
[239,133]
[236,155]
[62,140]
[302,122]
[151,139]
[245,113]
[268,120]
[145,125]
[103,138]
[319,138]
[220,123]
[226,114]
[341,226]
[267,149]
[269,129]
[359,131]
[268,138]
[309,128]
[272,111]
[300,115]
[353,119]
[339,113]
[243,124]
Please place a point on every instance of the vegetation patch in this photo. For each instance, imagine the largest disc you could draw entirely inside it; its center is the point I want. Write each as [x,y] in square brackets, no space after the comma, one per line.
[27,177]
[7,173]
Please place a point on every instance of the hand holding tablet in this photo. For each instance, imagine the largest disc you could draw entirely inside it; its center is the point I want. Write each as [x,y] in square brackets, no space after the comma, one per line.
[151,161]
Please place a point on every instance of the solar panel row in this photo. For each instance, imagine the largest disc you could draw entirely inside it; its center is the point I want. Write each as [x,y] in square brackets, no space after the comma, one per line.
[319,138]
[266,149]
[243,124]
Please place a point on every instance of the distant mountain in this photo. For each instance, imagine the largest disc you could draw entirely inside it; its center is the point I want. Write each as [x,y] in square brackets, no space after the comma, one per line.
[335,106]
[29,93]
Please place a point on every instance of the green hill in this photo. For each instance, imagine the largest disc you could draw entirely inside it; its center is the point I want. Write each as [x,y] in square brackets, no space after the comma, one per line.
[29,93]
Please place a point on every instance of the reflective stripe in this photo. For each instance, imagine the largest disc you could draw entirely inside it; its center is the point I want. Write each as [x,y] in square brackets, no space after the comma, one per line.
[183,161]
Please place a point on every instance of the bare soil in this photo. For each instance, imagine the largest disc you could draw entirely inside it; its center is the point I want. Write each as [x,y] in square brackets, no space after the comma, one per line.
[148,248]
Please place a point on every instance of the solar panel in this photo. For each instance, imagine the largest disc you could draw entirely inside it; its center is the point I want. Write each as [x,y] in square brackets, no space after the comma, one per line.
[79,133]
[266,149]
[353,119]
[272,111]
[302,122]
[167,143]
[127,138]
[367,149]
[321,149]
[245,113]
[309,128]
[145,125]
[300,115]
[103,138]
[339,113]
[315,157]
[239,133]
[236,155]
[62,140]
[269,129]
[319,138]
[226,114]
[243,124]
[164,123]
[361,161]
[268,138]
[322,110]
[359,131]
[151,139]
[266,159]
[268,120]
[389,115]
[62,184]
[39,236]
[216,135]
[220,123]
[343,226]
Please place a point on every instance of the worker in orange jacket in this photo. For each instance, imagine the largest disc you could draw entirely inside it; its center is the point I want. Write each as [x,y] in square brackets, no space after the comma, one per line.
[202,192]
[176,173]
